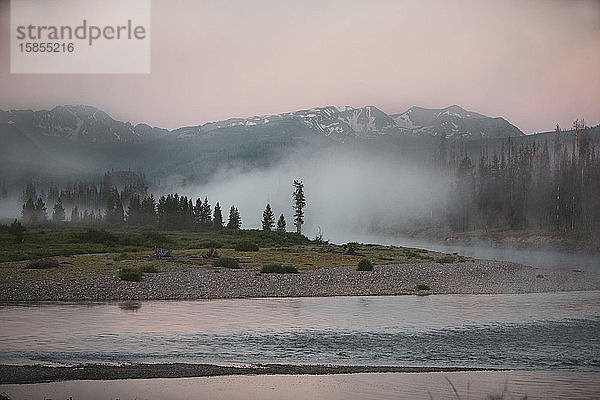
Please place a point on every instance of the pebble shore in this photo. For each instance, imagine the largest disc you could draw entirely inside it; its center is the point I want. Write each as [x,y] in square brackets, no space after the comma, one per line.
[10,374]
[470,277]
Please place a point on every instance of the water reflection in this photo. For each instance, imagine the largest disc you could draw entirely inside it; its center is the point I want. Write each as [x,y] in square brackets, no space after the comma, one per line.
[130,305]
[541,330]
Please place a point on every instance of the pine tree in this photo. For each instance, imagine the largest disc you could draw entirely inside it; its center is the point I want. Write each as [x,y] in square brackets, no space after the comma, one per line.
[28,213]
[39,211]
[198,211]
[134,211]
[299,204]
[281,224]
[110,214]
[148,211]
[205,214]
[16,229]
[235,222]
[268,220]
[58,214]
[74,214]
[217,217]
[119,212]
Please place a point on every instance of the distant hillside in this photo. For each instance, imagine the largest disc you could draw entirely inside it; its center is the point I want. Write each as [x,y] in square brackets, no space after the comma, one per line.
[78,123]
[73,141]
[455,123]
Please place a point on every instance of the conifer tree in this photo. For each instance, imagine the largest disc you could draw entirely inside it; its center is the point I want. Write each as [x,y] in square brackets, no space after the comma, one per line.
[74,214]
[299,204]
[28,213]
[58,214]
[198,211]
[205,214]
[235,221]
[281,224]
[16,229]
[217,217]
[39,211]
[268,220]
[134,211]
[148,211]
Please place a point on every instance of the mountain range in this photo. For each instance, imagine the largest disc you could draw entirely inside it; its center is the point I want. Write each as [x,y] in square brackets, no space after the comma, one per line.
[89,124]
[76,141]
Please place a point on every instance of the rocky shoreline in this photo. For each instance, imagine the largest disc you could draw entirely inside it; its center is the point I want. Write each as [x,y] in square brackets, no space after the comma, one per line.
[469,277]
[20,374]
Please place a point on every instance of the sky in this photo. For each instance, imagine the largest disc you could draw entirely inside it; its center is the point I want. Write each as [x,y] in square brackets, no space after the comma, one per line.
[533,62]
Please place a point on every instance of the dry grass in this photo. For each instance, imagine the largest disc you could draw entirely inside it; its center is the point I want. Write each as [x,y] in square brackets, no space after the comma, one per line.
[301,257]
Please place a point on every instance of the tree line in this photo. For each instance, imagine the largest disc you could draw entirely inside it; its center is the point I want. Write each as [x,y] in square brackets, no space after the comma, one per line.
[552,186]
[170,211]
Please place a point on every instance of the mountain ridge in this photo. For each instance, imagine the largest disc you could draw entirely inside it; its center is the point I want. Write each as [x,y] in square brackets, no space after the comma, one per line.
[340,123]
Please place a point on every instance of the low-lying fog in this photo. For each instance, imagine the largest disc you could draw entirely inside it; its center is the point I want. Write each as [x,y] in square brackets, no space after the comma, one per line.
[345,192]
[350,196]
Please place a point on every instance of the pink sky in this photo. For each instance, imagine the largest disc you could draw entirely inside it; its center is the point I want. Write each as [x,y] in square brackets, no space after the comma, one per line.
[536,62]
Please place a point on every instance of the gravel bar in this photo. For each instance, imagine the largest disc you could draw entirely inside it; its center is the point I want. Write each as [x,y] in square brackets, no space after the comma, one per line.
[470,277]
[18,374]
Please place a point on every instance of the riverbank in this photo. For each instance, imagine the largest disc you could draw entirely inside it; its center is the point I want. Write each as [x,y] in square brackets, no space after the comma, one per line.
[427,385]
[185,282]
[20,374]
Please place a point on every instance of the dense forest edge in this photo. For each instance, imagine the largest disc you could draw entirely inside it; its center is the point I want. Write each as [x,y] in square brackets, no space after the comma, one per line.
[531,192]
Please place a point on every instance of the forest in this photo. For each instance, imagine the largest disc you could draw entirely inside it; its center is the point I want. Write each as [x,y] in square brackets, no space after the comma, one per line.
[551,185]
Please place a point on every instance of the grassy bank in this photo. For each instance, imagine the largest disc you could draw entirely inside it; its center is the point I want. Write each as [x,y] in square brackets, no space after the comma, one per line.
[55,254]
[52,242]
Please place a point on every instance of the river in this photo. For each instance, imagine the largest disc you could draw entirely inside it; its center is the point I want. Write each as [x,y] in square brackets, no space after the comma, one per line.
[542,331]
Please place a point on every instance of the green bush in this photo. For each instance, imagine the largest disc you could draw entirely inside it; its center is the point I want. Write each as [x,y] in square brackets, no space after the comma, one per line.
[246,246]
[157,238]
[149,269]
[43,264]
[226,262]
[447,259]
[130,274]
[365,265]
[121,257]
[98,236]
[422,286]
[278,269]
[210,244]
[351,248]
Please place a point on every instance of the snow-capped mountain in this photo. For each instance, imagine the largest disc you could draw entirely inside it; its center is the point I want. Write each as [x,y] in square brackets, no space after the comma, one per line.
[341,123]
[77,123]
[454,122]
[90,125]
[331,121]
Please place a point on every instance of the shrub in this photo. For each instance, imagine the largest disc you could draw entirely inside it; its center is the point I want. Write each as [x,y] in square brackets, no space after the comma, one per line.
[149,269]
[446,259]
[210,244]
[422,286]
[411,253]
[278,269]
[98,236]
[365,265]
[130,274]
[351,248]
[121,257]
[226,262]
[43,264]
[157,238]
[246,246]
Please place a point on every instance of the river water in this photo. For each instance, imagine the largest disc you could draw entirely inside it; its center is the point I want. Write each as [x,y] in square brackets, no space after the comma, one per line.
[542,331]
